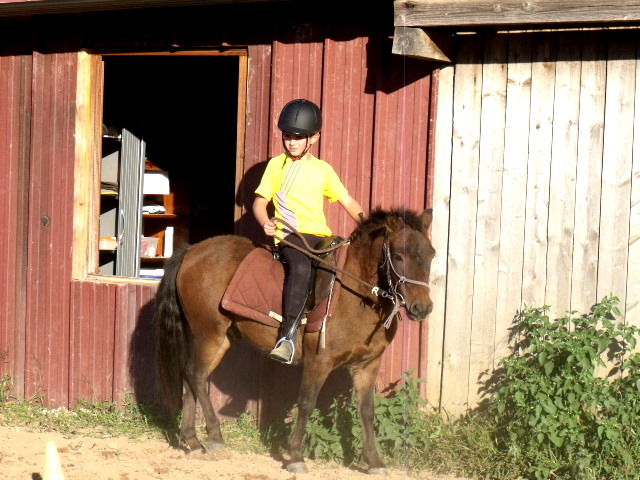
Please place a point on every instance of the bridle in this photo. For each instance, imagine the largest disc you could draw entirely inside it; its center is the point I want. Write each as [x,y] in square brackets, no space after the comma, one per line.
[386,265]
[395,296]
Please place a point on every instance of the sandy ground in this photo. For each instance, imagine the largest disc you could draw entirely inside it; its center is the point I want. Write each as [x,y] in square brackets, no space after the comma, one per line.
[22,457]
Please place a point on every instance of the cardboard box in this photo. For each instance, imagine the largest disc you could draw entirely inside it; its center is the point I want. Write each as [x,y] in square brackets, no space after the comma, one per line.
[155,183]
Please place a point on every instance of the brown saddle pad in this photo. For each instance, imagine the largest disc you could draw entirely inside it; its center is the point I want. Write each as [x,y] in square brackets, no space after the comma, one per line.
[255,292]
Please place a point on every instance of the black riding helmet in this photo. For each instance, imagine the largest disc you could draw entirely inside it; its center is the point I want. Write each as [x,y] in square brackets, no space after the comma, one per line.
[300,117]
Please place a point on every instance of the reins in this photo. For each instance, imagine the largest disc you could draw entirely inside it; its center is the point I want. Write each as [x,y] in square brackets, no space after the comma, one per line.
[394,296]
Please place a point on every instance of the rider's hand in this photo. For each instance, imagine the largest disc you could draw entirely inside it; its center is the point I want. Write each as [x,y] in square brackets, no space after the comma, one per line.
[269,228]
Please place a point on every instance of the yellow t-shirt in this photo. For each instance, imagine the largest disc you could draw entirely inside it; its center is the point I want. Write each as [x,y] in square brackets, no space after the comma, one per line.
[298,188]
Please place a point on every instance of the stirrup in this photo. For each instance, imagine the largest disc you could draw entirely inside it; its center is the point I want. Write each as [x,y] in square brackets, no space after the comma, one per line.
[283,359]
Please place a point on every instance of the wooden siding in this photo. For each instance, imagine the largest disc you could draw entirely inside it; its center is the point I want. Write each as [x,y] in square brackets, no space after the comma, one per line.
[15,113]
[536,192]
[50,226]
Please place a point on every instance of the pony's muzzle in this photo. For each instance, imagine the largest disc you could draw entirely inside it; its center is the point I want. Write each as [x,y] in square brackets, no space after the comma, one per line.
[419,310]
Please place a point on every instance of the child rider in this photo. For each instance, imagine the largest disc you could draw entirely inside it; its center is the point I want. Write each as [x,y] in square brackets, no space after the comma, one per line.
[297,183]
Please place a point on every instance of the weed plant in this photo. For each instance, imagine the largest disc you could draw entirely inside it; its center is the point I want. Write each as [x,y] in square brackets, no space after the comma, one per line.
[567,402]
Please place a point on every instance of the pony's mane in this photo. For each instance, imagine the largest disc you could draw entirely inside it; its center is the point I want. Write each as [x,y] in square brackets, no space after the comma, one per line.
[379,218]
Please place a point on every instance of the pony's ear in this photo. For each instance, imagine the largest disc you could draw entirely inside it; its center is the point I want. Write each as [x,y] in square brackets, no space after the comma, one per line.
[427,218]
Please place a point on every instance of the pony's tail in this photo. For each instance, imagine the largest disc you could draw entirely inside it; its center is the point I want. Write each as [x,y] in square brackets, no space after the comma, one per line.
[170,338]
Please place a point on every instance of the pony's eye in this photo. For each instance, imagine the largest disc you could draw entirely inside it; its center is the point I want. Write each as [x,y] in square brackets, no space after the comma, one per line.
[397,257]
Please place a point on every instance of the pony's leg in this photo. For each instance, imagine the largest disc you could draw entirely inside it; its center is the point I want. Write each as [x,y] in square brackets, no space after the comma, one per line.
[207,359]
[188,439]
[314,374]
[364,377]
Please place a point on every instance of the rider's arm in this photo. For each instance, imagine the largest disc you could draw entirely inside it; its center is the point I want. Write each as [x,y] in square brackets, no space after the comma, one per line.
[260,212]
[352,207]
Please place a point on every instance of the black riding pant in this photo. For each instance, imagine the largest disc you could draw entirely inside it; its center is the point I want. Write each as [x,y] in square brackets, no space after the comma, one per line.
[297,267]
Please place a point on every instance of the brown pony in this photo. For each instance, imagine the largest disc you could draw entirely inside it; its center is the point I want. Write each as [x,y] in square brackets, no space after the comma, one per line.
[390,249]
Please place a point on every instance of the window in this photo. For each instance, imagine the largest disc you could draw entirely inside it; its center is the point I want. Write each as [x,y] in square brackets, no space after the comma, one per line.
[171,130]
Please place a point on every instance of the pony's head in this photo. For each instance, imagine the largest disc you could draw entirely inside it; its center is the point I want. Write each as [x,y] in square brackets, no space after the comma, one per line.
[405,261]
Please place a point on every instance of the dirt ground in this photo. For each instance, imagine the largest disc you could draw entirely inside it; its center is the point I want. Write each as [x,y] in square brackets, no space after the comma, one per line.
[22,457]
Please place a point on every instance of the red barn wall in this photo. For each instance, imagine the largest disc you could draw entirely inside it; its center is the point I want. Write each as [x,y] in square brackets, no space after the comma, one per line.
[67,339]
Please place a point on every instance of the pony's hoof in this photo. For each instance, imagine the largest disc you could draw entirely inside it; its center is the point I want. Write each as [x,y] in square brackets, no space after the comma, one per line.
[378,471]
[297,467]
[195,452]
[210,447]
[190,447]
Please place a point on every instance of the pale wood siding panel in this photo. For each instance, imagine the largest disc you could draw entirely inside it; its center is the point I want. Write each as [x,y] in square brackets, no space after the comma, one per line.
[616,169]
[633,280]
[589,172]
[487,248]
[543,73]
[550,209]
[514,187]
[563,176]
[440,232]
[464,191]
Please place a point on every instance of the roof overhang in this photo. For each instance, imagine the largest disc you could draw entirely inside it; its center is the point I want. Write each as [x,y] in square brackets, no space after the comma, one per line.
[425,28]
[477,13]
[15,8]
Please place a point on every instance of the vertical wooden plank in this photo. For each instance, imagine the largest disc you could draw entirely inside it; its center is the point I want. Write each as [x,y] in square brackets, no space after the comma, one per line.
[633,267]
[563,176]
[589,171]
[543,72]
[399,174]
[88,133]
[258,134]
[297,69]
[616,171]
[514,184]
[240,209]
[50,225]
[487,248]
[91,340]
[15,114]
[440,231]
[463,207]
[401,126]
[347,121]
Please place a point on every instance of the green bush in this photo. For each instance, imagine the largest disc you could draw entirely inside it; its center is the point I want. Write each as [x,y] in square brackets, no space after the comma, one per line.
[567,403]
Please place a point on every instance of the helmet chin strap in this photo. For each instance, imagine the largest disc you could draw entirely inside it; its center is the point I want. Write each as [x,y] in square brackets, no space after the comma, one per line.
[293,157]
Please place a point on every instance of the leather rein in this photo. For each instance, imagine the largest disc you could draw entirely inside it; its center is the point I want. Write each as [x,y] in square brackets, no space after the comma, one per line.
[396,298]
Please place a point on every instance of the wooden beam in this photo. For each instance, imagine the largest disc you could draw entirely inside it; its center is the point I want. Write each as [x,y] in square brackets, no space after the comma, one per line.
[418,43]
[11,8]
[471,13]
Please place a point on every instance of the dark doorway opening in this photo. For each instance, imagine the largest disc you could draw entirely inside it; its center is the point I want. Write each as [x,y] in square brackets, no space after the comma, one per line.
[185,109]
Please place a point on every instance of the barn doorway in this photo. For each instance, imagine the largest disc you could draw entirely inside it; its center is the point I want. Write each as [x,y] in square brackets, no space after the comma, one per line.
[184,111]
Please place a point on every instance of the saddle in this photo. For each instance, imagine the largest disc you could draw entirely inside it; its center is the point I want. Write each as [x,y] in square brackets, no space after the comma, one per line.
[255,291]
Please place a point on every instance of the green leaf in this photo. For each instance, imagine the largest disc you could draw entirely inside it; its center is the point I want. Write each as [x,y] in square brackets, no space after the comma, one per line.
[548,368]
